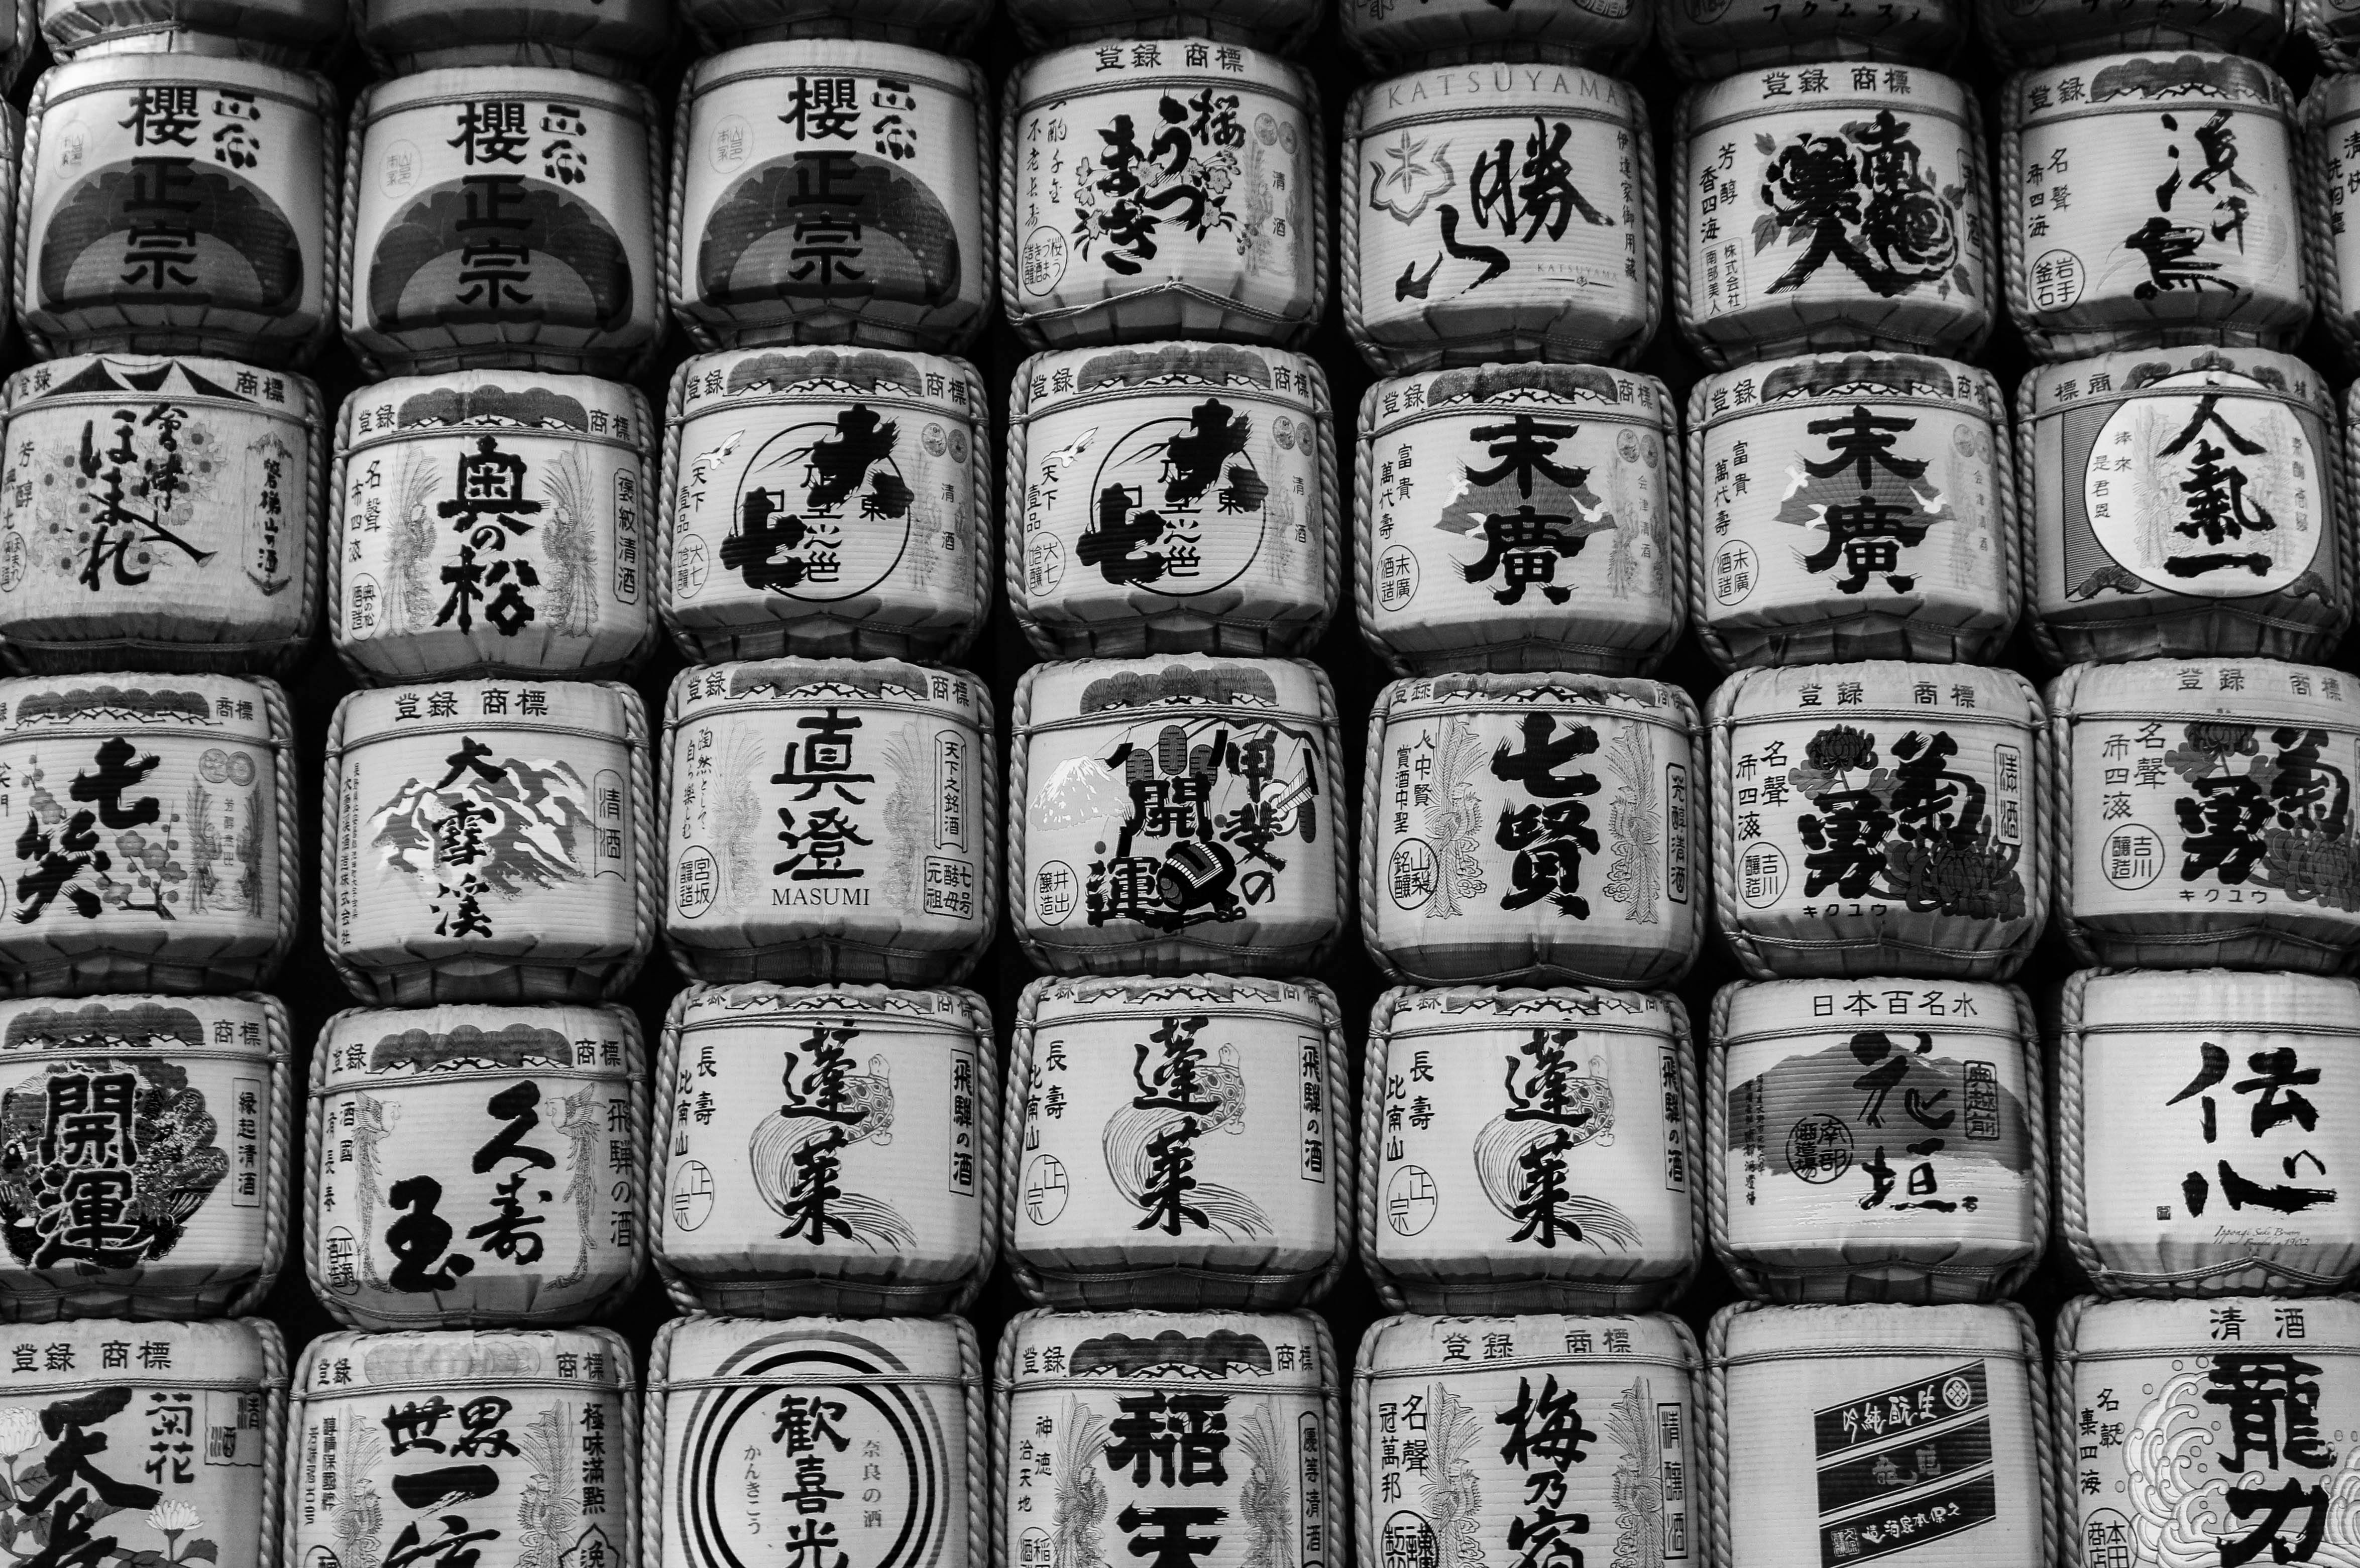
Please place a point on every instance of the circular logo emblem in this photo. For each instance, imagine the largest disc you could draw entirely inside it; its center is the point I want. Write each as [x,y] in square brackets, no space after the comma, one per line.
[1411,878]
[1045,1189]
[689,565]
[1179,506]
[1410,1542]
[1044,563]
[2134,856]
[11,561]
[1411,1200]
[697,881]
[1735,569]
[2057,280]
[1956,1393]
[692,1194]
[213,766]
[1396,578]
[241,770]
[1055,891]
[1819,1149]
[1761,873]
[363,599]
[731,138]
[340,1260]
[400,170]
[1040,264]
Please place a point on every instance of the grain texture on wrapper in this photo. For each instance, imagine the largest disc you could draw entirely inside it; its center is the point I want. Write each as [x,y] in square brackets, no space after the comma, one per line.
[1555,539]
[865,1119]
[1880,817]
[155,821]
[554,266]
[1470,1432]
[2186,1107]
[280,32]
[547,1421]
[1875,1140]
[866,1435]
[160,512]
[182,1110]
[2184,502]
[873,853]
[476,1166]
[249,273]
[1851,507]
[1712,38]
[1144,1425]
[2152,246]
[1173,814]
[1574,276]
[1182,1143]
[1848,207]
[1558,839]
[1527,1150]
[1836,1429]
[1233,244]
[605,37]
[826,503]
[171,1433]
[753,127]
[1606,34]
[493,523]
[1172,499]
[2201,809]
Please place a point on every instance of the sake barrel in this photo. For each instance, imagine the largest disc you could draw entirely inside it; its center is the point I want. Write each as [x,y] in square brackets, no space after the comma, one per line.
[1558,1127]
[2185,501]
[2151,203]
[2330,120]
[1176,1188]
[2191,1109]
[1878,819]
[177,1113]
[217,182]
[1875,1140]
[156,846]
[1841,1433]
[160,512]
[503,215]
[866,1435]
[1498,562]
[173,1434]
[830,191]
[2203,814]
[866,1120]
[1204,519]
[493,523]
[489,841]
[1710,38]
[1486,794]
[2213,1428]
[1230,241]
[1548,250]
[830,819]
[1176,1421]
[1177,814]
[1547,1428]
[1274,24]
[1879,524]
[1843,207]
[796,518]
[936,24]
[604,36]
[285,32]
[2044,32]
[1405,32]
[542,1435]
[475,1167]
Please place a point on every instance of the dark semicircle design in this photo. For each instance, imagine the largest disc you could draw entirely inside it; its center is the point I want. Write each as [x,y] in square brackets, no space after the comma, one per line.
[545,218]
[238,216]
[920,268]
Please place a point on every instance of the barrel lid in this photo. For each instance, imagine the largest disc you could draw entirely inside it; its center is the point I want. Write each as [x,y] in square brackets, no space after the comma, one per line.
[187,378]
[1888,688]
[1144,65]
[2141,1330]
[2184,1001]
[1084,998]
[1278,1351]
[1771,1008]
[1648,701]
[476,83]
[1908,91]
[1503,90]
[118,1024]
[703,691]
[1460,1010]
[742,1352]
[1789,1333]
[350,1365]
[588,707]
[488,402]
[2056,387]
[105,1352]
[1594,390]
[1441,1346]
[2168,79]
[1924,378]
[1080,374]
[757,1003]
[204,706]
[1121,690]
[803,56]
[2181,691]
[369,1045]
[829,374]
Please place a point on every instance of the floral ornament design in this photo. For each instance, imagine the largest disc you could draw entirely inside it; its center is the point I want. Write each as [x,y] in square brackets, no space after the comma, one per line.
[1405,176]
[19,1429]
[1183,176]
[1862,197]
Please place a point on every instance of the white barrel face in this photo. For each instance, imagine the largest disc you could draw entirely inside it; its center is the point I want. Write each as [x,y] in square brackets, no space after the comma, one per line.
[466,1169]
[158,501]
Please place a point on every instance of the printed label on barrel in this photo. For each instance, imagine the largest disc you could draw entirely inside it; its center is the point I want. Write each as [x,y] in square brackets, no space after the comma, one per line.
[2215,814]
[156,488]
[1906,1465]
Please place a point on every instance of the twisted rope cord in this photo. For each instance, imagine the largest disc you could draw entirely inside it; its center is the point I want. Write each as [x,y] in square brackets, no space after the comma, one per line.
[643,1189]
[1323,255]
[2026,475]
[1694,521]
[993,1173]
[1371,1167]
[1651,219]
[315,531]
[1380,358]
[684,958]
[985,501]
[1003,1397]
[24,137]
[655,1432]
[1372,767]
[1341,1166]
[276,1474]
[2043,846]
[1678,544]
[1683,236]
[677,296]
[2344,527]
[1692,1139]
[278,1146]
[1716,1412]
[995,870]
[315,1149]
[2040,1387]
[987,215]
[667,515]
[659,215]
[1304,633]
[1742,1272]
[1016,461]
[2073,1192]
[2016,279]
[1720,758]
[1979,200]
[1364,531]
[280,724]
[1011,1140]
[2057,804]
[977,1458]
[1012,302]
[2064,1374]
[658,1159]
[2035,1124]
[646,870]
[344,211]
[361,985]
